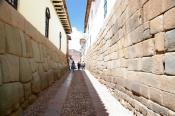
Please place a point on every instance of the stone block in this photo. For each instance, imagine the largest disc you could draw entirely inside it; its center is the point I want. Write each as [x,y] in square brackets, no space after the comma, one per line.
[132,64]
[168,100]
[146,34]
[170,40]
[133,6]
[169,22]
[10,68]
[135,88]
[23,44]
[36,81]
[4,11]
[156,25]
[160,42]
[169,63]
[167,83]
[50,77]
[34,65]
[13,40]
[11,95]
[134,21]
[35,50]
[158,109]
[146,64]
[148,47]
[156,95]
[29,50]
[157,66]
[27,90]
[131,52]
[167,4]
[25,70]
[144,91]
[2,38]
[156,8]
[138,50]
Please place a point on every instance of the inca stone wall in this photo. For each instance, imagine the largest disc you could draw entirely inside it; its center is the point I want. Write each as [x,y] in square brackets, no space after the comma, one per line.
[134,55]
[29,62]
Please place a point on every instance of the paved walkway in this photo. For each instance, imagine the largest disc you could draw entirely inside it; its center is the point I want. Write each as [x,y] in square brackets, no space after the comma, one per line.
[74,97]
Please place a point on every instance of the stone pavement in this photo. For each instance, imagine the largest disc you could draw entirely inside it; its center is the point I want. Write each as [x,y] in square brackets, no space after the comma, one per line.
[74,96]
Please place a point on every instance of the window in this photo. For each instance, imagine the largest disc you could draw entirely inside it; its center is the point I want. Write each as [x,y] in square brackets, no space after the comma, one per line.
[60,39]
[47,15]
[13,3]
[105,8]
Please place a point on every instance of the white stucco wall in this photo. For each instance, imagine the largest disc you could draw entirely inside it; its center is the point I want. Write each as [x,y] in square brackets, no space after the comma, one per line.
[34,12]
[97,19]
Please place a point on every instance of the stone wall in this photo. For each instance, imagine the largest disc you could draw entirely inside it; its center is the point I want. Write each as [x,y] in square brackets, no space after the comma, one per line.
[29,62]
[134,55]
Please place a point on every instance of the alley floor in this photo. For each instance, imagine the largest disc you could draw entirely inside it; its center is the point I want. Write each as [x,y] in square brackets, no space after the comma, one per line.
[75,95]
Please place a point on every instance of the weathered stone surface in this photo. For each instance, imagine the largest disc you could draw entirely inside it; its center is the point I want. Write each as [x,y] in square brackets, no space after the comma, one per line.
[156,25]
[169,63]
[11,95]
[134,21]
[146,64]
[157,66]
[2,37]
[156,9]
[29,50]
[133,6]
[25,70]
[36,81]
[13,40]
[148,47]
[170,40]
[144,91]
[4,11]
[167,83]
[0,75]
[50,77]
[10,68]
[160,42]
[23,44]
[156,95]
[169,23]
[36,52]
[167,4]
[168,100]
[27,90]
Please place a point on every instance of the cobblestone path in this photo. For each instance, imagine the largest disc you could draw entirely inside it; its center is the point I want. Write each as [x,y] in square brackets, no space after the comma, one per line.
[78,102]
[74,97]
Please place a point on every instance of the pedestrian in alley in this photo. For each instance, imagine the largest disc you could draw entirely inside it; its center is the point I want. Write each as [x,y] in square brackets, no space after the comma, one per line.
[73,67]
[79,65]
[83,65]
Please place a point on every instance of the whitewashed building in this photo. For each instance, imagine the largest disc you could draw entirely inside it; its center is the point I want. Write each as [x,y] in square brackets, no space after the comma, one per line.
[49,17]
[97,11]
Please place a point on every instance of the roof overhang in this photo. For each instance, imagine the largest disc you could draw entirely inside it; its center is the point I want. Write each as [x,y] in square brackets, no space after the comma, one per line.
[88,6]
[61,10]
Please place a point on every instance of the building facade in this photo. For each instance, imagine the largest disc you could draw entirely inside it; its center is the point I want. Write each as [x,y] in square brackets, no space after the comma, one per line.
[49,17]
[132,52]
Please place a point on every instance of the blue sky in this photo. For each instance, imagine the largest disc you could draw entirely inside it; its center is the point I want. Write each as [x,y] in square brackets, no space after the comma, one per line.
[76,10]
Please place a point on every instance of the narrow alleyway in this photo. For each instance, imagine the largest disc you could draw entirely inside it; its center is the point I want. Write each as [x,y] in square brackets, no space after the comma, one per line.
[74,95]
[72,98]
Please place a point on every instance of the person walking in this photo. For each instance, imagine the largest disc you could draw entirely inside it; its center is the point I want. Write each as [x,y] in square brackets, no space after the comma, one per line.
[73,66]
[79,65]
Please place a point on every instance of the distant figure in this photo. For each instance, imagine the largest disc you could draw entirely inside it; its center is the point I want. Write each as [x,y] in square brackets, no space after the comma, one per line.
[70,60]
[83,65]
[79,65]
[73,66]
